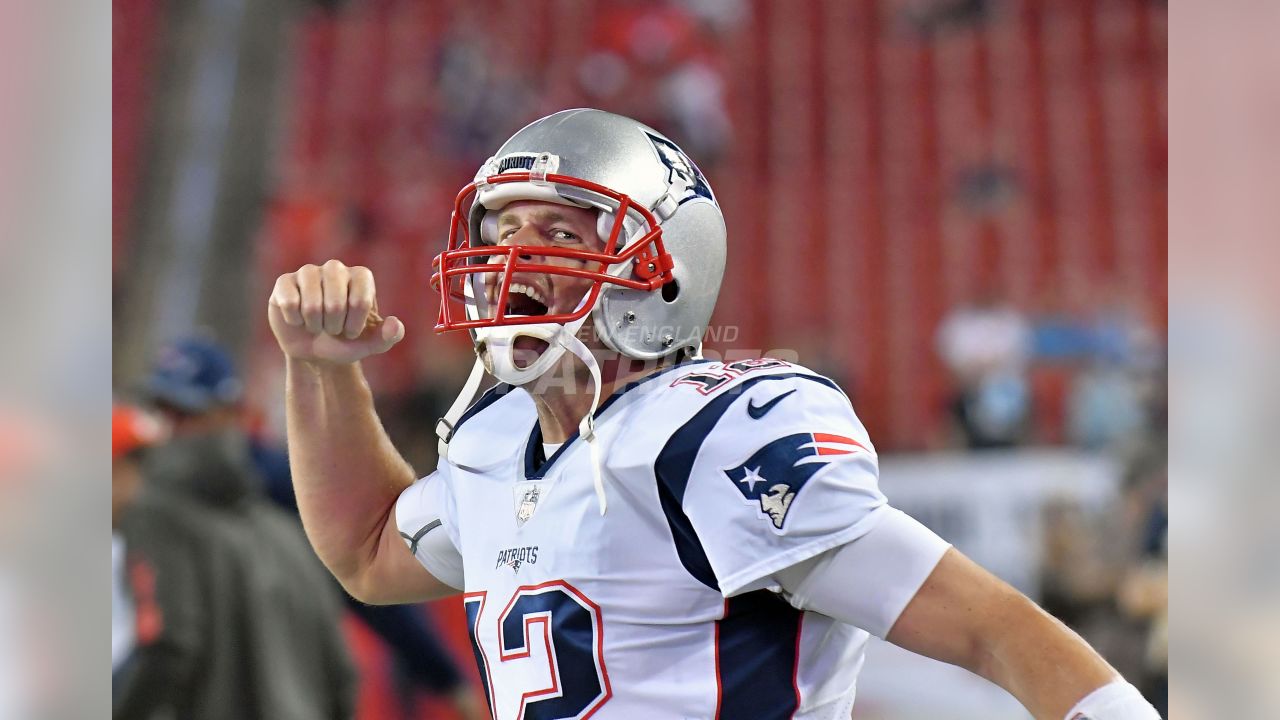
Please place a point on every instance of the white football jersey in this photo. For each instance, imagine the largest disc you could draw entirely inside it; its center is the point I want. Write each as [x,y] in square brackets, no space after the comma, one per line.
[716,476]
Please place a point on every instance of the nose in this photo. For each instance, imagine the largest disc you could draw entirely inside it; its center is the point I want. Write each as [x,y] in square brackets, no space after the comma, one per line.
[524,235]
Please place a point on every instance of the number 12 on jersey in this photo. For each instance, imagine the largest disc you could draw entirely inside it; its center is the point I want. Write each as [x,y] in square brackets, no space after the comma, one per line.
[551,623]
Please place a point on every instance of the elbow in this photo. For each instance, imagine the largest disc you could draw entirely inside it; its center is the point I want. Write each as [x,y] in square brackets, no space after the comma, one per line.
[352,586]
[359,588]
[353,576]
[371,584]
[356,570]
[360,581]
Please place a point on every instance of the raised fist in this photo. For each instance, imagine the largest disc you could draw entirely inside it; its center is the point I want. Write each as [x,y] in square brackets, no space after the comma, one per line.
[329,314]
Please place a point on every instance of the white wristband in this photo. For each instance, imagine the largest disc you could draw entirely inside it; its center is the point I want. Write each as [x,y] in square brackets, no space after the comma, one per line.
[1117,700]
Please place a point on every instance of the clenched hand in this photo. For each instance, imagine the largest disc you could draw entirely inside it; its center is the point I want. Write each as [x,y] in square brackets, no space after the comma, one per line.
[329,314]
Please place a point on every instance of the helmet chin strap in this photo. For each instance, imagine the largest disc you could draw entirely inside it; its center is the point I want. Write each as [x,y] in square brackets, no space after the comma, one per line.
[587,426]
[444,426]
[562,338]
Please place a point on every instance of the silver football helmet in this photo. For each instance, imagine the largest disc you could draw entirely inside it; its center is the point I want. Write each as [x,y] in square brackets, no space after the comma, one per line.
[655,282]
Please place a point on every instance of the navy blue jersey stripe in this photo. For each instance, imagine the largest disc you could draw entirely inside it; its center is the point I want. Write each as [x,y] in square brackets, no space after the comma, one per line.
[757,652]
[675,463]
[536,466]
[473,604]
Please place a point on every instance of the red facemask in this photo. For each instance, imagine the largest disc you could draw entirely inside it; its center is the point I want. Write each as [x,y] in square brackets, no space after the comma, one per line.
[468,260]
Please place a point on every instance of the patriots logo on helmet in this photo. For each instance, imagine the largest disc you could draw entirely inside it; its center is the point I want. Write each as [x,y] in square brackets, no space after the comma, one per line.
[681,170]
[776,473]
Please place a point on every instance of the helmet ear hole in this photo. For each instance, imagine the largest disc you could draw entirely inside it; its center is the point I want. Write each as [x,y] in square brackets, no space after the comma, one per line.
[671,291]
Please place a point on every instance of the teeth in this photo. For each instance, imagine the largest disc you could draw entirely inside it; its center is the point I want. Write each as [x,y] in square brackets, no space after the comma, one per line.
[528,291]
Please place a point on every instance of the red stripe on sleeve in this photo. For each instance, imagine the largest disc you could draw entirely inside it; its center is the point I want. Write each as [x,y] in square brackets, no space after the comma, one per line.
[840,439]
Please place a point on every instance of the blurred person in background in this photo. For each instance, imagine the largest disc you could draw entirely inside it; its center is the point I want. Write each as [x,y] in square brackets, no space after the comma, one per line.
[1144,590]
[1120,360]
[272,645]
[132,430]
[198,386]
[1105,405]
[420,660]
[662,63]
[986,345]
[663,533]
[159,581]
[1105,574]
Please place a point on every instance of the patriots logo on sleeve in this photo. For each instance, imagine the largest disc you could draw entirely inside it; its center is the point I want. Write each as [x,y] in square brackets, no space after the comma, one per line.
[777,472]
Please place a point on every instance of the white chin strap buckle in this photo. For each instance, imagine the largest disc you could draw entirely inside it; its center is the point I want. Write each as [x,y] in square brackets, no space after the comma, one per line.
[446,424]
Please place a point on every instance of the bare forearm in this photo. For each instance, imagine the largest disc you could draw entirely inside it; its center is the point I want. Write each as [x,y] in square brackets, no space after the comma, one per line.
[346,473]
[966,616]
[1040,661]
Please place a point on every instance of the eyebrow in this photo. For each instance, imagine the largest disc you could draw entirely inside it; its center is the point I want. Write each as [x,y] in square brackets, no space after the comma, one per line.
[506,218]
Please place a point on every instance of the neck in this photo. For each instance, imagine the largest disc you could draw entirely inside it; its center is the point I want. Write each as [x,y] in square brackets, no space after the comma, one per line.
[563,396]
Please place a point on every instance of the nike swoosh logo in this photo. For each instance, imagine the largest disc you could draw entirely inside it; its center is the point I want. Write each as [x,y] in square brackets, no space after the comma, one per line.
[758,411]
[413,541]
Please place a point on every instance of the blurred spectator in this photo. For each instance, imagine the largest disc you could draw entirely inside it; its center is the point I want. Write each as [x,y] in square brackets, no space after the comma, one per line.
[696,109]
[988,187]
[1143,593]
[1113,353]
[160,577]
[660,63]
[931,16]
[197,629]
[198,385]
[483,93]
[718,16]
[986,345]
[1123,333]
[270,642]
[1105,406]
[132,430]
[1105,574]
[421,661]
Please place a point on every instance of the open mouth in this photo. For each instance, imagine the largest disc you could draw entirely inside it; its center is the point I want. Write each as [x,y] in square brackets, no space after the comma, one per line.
[527,350]
[528,301]
[525,300]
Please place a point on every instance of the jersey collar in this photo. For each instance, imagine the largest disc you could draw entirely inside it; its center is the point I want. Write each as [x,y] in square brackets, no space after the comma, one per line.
[536,466]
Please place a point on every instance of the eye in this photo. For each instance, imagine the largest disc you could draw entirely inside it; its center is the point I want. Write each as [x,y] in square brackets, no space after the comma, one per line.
[507,233]
[563,236]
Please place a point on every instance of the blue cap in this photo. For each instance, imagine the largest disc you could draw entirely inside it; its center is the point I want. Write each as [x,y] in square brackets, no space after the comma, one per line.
[194,375]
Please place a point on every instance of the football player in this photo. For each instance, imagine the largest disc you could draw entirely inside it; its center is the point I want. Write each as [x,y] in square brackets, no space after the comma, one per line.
[636,531]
